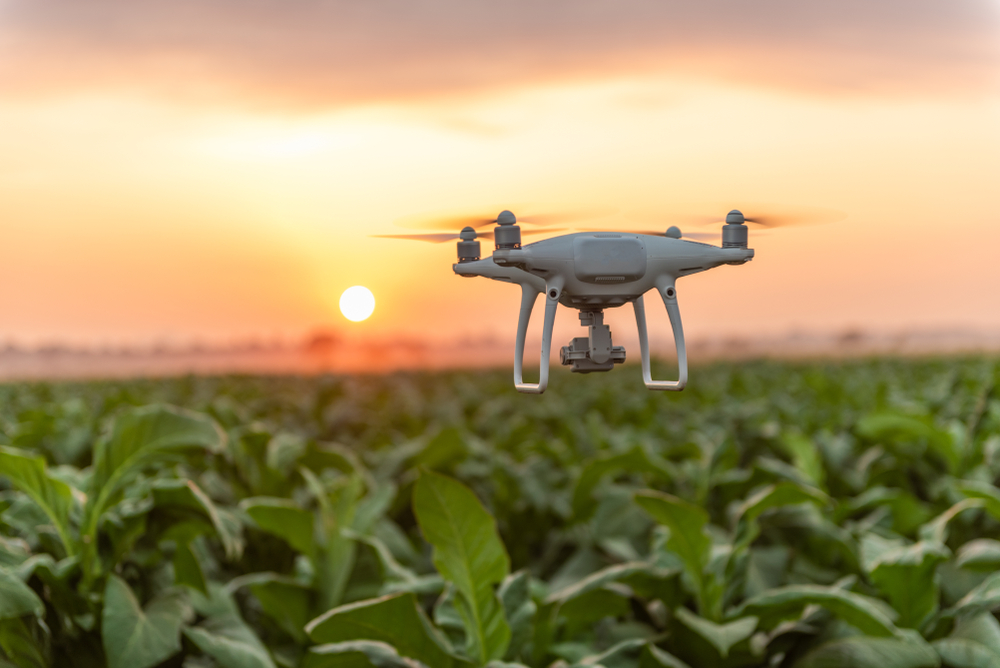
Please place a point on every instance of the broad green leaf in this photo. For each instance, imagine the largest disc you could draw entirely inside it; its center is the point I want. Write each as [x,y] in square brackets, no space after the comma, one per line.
[806,457]
[338,549]
[654,657]
[721,636]
[937,529]
[142,435]
[981,554]
[985,597]
[519,609]
[284,600]
[784,493]
[597,580]
[636,460]
[284,519]
[283,451]
[868,652]
[982,628]
[135,637]
[896,573]
[897,428]
[396,620]
[19,647]
[187,569]
[16,598]
[227,639]
[965,653]
[28,473]
[183,493]
[688,539]
[469,553]
[357,654]
[140,438]
[787,602]
[621,654]
[447,448]
[986,492]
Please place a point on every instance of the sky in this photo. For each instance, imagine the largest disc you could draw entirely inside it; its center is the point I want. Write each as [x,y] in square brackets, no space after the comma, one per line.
[176,171]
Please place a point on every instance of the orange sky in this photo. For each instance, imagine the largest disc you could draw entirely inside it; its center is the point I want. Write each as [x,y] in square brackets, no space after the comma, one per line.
[172,171]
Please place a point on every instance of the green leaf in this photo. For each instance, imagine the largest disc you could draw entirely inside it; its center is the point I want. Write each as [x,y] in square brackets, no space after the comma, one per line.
[618,655]
[469,553]
[284,600]
[227,639]
[986,492]
[688,539]
[447,448]
[900,429]
[786,602]
[721,636]
[284,519]
[937,529]
[396,620]
[187,569]
[654,657]
[965,653]
[358,654]
[635,460]
[895,573]
[519,609]
[182,493]
[985,597]
[805,455]
[28,473]
[773,496]
[21,646]
[337,511]
[139,638]
[867,652]
[140,438]
[982,554]
[16,598]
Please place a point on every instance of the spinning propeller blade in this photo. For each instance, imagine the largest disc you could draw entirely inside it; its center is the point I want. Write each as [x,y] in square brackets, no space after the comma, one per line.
[435,222]
[773,216]
[443,237]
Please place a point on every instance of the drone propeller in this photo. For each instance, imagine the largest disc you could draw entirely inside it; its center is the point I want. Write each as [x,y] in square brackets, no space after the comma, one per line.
[443,237]
[771,217]
[477,222]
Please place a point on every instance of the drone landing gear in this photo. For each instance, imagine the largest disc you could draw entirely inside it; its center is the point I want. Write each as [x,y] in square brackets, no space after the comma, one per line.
[669,294]
[593,352]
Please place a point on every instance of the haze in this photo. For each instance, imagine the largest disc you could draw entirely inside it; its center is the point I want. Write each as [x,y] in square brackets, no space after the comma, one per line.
[212,170]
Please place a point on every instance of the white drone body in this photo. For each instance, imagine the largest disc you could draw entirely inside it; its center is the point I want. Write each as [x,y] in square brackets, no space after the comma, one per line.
[592,271]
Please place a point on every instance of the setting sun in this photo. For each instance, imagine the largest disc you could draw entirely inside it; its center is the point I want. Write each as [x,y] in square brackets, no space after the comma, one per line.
[357,303]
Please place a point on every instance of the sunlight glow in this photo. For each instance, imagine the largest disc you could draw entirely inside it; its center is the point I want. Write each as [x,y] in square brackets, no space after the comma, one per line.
[357,303]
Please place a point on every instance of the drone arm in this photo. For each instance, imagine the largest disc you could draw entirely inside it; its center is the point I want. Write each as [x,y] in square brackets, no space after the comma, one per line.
[528,296]
[669,294]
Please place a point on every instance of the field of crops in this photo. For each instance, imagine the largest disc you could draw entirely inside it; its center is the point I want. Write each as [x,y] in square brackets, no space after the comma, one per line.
[773,514]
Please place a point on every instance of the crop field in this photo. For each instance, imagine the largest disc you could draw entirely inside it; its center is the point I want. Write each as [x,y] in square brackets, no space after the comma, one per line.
[809,514]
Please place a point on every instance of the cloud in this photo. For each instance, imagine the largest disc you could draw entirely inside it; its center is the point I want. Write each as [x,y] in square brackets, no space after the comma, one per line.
[317,53]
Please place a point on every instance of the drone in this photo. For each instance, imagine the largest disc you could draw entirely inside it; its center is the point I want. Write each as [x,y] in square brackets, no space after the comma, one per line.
[591,272]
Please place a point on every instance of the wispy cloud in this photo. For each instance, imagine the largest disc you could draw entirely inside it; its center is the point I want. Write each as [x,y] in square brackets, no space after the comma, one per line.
[335,53]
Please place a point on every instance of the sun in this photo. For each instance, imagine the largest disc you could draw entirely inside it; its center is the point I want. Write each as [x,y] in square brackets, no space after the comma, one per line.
[357,303]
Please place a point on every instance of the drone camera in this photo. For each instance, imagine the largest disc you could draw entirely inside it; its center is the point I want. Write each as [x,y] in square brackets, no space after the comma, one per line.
[594,352]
